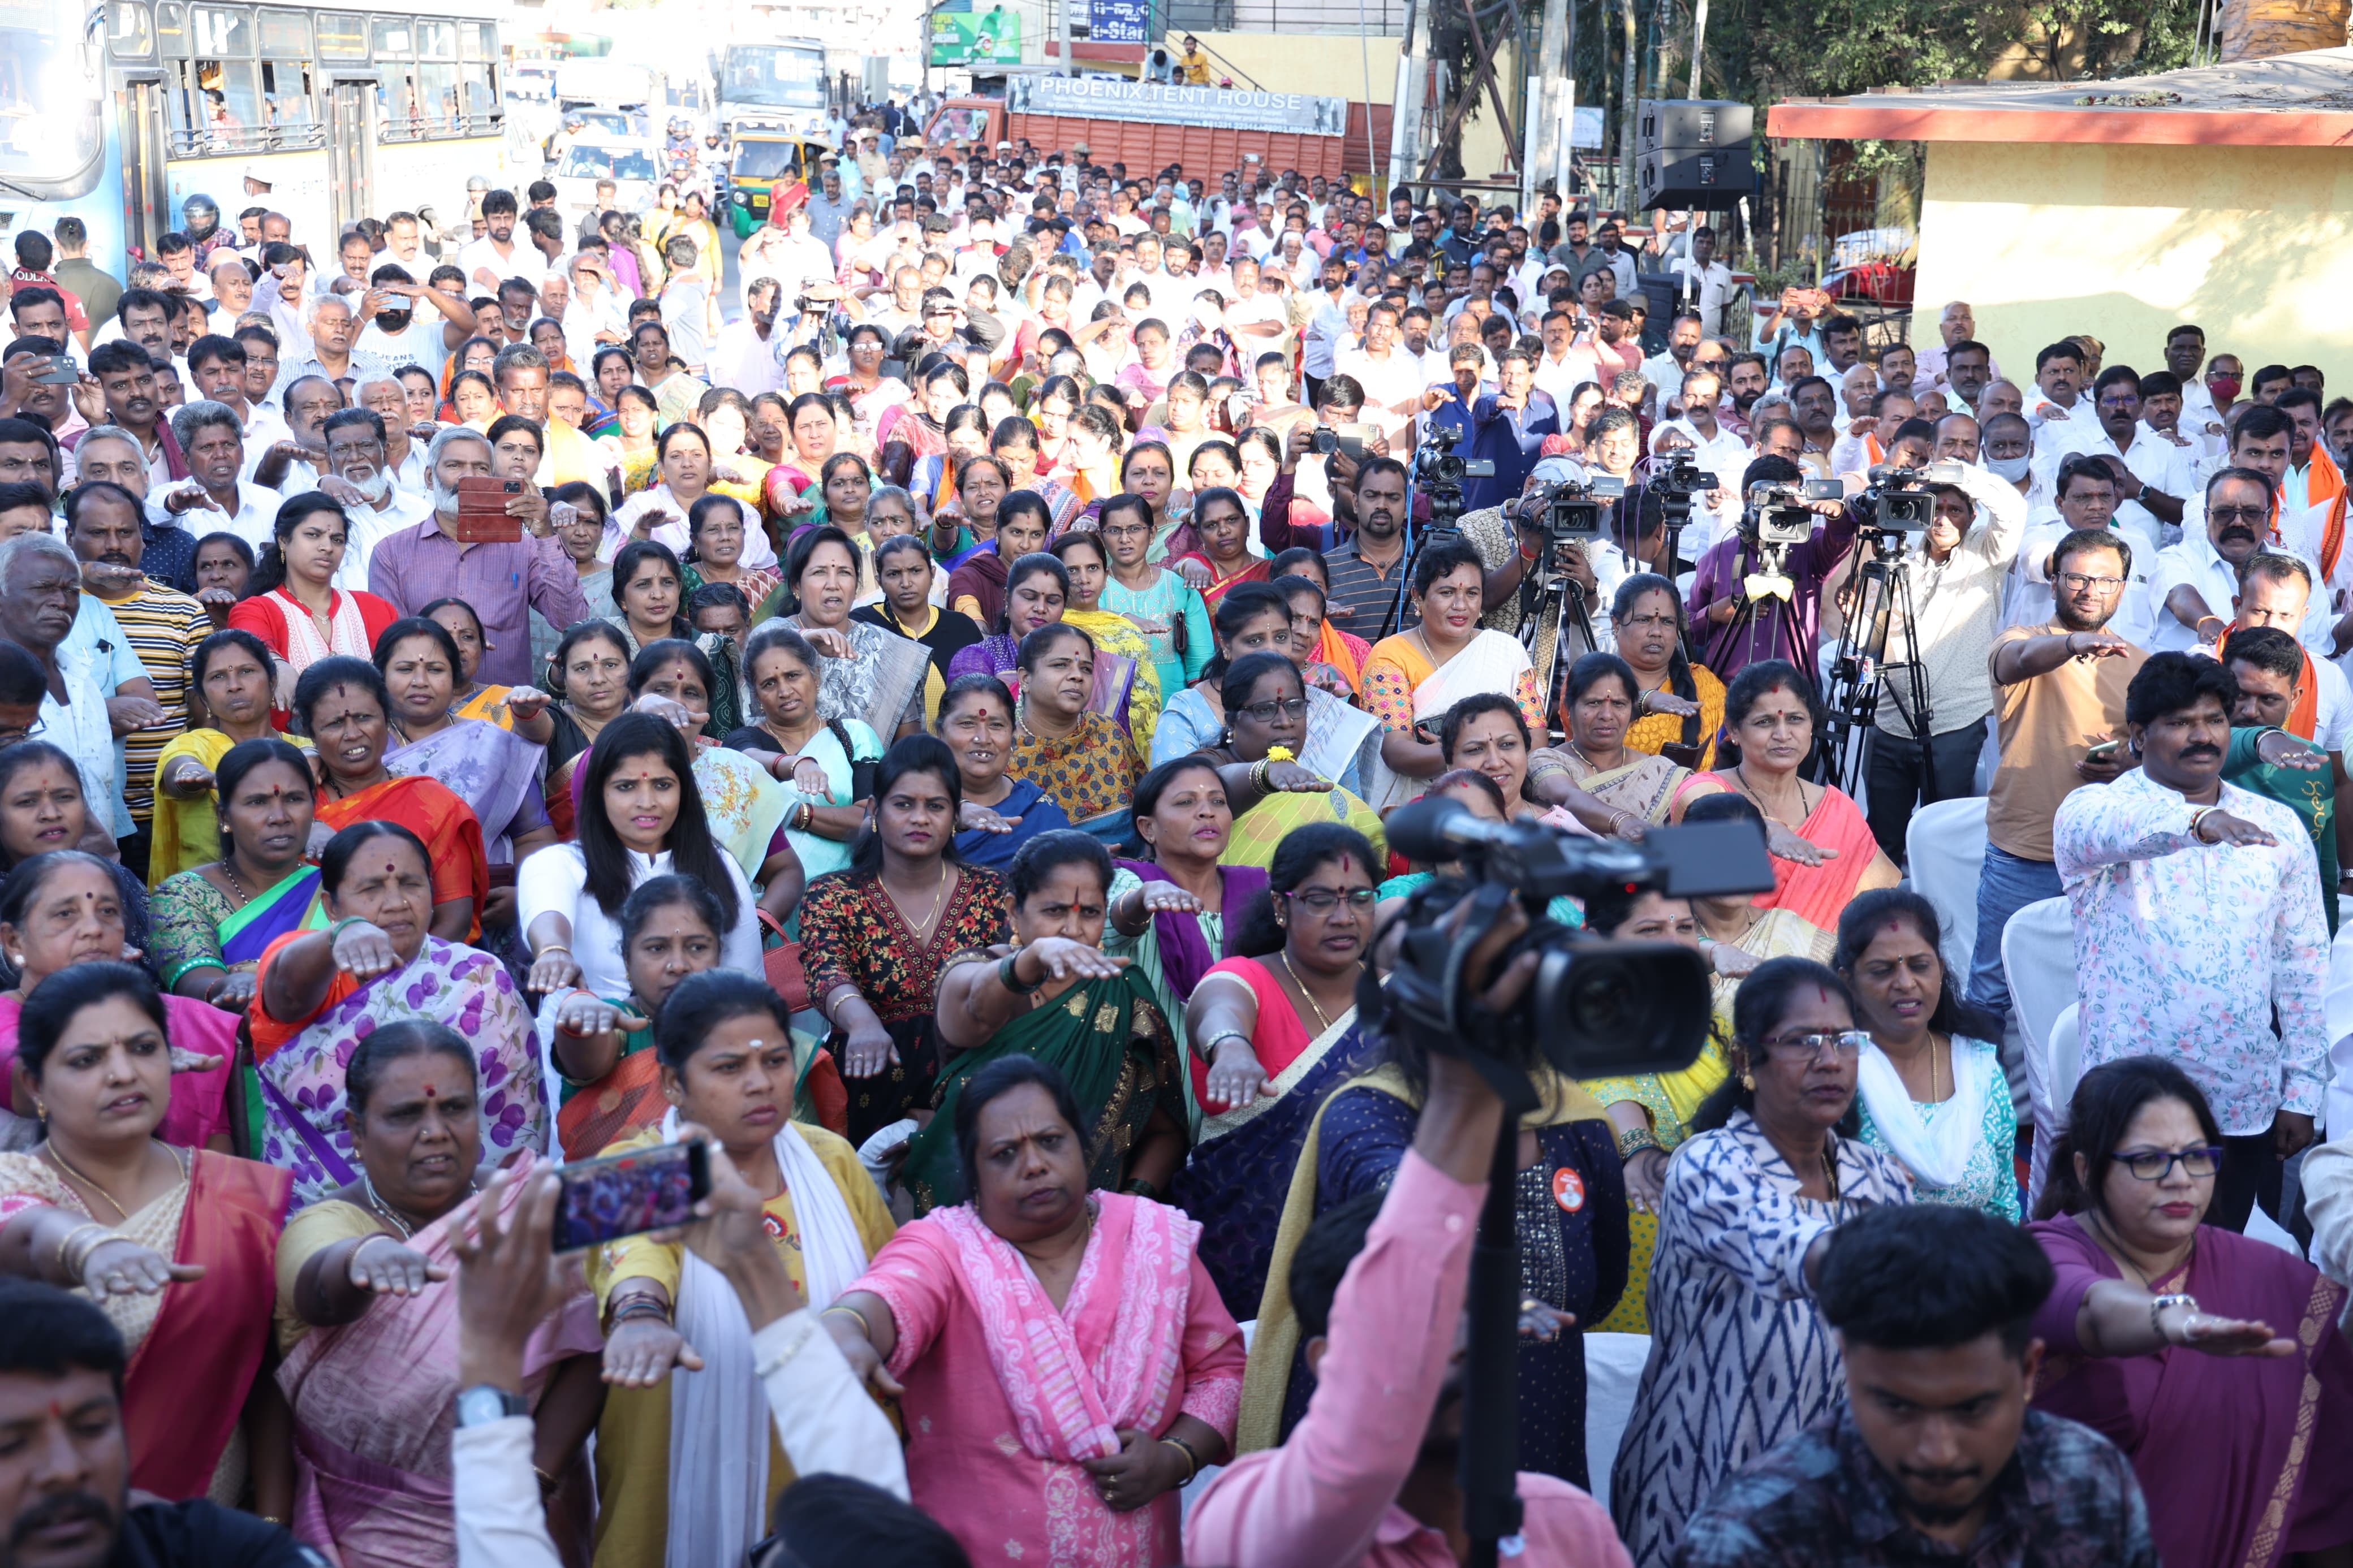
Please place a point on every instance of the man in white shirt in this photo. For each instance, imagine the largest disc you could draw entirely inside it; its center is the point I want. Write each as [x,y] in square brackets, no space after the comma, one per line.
[217,370]
[1391,377]
[214,496]
[748,354]
[2154,477]
[1665,371]
[2196,581]
[1957,325]
[1715,450]
[2276,590]
[409,323]
[1327,326]
[1706,283]
[499,255]
[359,479]
[1567,361]
[593,315]
[2086,495]
[404,458]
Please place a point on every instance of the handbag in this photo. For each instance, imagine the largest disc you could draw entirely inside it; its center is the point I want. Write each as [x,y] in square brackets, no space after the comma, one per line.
[782,964]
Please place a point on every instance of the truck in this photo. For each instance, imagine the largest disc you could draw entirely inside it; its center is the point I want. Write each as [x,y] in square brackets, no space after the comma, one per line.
[608,84]
[1150,125]
[778,86]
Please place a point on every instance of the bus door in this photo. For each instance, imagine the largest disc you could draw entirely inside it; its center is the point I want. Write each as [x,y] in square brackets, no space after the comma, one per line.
[351,148]
[147,211]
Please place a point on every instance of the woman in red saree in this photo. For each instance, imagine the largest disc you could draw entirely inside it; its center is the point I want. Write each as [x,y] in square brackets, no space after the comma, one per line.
[175,1243]
[347,710]
[1040,1326]
[1222,524]
[1823,853]
[2216,1363]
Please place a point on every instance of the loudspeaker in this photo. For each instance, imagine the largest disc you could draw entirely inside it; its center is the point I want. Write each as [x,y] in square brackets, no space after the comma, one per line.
[1691,125]
[1693,181]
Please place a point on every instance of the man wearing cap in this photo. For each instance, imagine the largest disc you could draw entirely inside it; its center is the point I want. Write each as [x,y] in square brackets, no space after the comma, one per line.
[874,169]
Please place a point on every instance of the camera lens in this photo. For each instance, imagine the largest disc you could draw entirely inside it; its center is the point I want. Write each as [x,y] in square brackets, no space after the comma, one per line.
[1607,1008]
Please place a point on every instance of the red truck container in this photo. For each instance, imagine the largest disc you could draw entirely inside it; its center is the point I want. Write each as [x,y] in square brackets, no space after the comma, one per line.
[1202,151]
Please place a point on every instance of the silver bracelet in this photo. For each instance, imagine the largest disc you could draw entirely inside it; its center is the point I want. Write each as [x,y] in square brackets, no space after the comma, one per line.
[1207,1050]
[2159,1303]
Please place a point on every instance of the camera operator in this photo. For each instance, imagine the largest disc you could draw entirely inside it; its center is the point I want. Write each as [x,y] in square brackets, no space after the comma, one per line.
[1788,621]
[1317,470]
[1369,1474]
[1714,448]
[1956,577]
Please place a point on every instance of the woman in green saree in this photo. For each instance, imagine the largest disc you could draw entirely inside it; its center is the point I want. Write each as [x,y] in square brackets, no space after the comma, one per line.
[1633,791]
[1056,995]
[212,922]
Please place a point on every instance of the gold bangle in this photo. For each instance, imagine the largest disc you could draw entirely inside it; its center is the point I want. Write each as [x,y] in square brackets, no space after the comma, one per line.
[65,1244]
[1192,1460]
[546,1482]
[1634,1140]
[864,1327]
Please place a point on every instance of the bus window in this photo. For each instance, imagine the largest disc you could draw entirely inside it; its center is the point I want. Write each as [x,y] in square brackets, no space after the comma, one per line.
[397,109]
[436,76]
[481,100]
[285,72]
[129,35]
[342,36]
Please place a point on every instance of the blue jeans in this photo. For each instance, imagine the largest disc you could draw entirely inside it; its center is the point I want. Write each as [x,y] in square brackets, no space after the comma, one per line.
[2006,885]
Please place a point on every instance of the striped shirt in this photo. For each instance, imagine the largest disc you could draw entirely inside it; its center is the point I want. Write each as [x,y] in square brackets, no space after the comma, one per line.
[1363,594]
[164,627]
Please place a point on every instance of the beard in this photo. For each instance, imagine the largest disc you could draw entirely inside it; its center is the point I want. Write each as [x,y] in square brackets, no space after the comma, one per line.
[392,323]
[376,486]
[1744,401]
[445,498]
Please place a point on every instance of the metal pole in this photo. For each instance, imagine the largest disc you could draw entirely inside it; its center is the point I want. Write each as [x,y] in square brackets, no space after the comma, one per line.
[1699,36]
[1563,147]
[1545,84]
[1626,114]
[1404,102]
[1062,11]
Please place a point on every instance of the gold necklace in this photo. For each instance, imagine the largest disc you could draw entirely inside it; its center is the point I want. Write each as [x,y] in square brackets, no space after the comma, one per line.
[1323,1024]
[923,931]
[1740,777]
[62,1164]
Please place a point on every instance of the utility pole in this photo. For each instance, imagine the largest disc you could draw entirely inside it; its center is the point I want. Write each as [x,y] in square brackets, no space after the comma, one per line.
[1547,86]
[1405,101]
[1699,38]
[1625,113]
[1070,65]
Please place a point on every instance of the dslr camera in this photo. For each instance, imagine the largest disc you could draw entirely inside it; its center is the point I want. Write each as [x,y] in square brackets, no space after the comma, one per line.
[1573,507]
[1776,512]
[1904,500]
[1599,1007]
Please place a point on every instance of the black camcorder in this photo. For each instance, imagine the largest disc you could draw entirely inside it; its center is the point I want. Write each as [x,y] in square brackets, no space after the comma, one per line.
[1434,462]
[1599,1007]
[1904,500]
[1776,512]
[1573,507]
[1675,477]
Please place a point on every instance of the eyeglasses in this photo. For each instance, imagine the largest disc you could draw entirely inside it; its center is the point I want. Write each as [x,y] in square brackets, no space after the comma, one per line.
[1846,1043]
[2156,1164]
[1286,706]
[2077,582]
[1322,900]
[32,732]
[2236,513]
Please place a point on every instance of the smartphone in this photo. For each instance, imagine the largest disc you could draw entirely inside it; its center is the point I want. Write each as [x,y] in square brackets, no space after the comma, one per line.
[2105,750]
[1353,438]
[1825,489]
[62,371]
[630,1192]
[482,512]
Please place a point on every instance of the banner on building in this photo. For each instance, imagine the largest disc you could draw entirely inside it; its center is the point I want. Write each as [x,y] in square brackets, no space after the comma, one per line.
[1154,103]
[990,38]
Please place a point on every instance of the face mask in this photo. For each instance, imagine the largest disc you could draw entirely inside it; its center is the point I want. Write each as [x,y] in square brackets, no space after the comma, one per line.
[2223,387]
[2010,468]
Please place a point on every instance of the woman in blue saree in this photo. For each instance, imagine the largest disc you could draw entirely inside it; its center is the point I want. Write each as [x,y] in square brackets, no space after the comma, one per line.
[999,814]
[213,922]
[1272,1034]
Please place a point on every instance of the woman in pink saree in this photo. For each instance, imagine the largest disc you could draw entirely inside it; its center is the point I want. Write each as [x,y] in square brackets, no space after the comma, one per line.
[1823,853]
[367,1319]
[1041,1322]
[2218,1363]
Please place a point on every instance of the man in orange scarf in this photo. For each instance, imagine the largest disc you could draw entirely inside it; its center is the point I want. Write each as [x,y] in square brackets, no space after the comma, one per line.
[2263,661]
[2275,589]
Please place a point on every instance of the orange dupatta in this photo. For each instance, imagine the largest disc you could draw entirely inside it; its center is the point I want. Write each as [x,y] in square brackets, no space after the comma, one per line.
[1818,894]
[453,839]
[187,1385]
[2326,483]
[2304,718]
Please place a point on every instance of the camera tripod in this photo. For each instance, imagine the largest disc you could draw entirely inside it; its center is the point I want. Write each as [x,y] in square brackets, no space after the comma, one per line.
[1445,514]
[1883,612]
[1772,560]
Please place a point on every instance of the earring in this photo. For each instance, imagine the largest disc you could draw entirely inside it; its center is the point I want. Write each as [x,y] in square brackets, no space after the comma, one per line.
[1748,1081]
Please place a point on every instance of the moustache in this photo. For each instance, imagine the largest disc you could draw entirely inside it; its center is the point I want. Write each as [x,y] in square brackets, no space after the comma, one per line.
[2199,749]
[2237,531]
[63,1508]
[115,558]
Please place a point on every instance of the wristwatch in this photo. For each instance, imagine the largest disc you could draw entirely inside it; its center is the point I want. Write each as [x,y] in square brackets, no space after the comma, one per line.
[485,1403]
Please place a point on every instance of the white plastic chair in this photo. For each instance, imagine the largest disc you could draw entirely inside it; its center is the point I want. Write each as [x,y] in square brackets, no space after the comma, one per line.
[1944,845]
[1613,1371]
[2038,953]
[2053,1063]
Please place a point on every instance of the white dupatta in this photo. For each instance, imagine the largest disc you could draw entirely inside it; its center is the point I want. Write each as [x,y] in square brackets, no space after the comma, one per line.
[346,632]
[718,1417]
[1490,661]
[1938,1152]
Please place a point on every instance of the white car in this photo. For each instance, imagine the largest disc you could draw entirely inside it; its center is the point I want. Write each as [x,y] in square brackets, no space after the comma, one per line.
[630,165]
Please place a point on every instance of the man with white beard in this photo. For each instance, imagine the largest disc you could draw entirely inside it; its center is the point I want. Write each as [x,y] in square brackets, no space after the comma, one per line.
[359,476]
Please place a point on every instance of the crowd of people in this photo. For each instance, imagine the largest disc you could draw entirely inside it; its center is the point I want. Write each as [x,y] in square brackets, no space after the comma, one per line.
[922,731]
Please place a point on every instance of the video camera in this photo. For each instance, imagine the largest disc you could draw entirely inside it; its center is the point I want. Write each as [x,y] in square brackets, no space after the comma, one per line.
[1904,500]
[1573,507]
[1675,477]
[1599,1007]
[1778,512]
[1434,462]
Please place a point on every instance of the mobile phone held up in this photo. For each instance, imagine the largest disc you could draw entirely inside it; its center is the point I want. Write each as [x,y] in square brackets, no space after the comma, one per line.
[629,1193]
[482,512]
[2106,751]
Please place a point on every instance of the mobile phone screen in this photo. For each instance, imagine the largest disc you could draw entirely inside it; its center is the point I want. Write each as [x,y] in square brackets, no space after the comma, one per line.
[629,1192]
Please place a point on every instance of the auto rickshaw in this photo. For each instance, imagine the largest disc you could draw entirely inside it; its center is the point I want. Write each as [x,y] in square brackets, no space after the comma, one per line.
[762,159]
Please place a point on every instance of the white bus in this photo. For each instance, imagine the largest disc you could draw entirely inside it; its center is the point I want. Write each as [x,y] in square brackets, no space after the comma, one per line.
[120,113]
[779,86]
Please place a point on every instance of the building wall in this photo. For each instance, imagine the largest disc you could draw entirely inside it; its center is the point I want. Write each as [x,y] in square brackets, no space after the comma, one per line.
[2125,242]
[1337,64]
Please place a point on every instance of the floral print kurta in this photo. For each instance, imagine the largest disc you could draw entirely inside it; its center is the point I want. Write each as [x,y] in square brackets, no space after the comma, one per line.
[1090,773]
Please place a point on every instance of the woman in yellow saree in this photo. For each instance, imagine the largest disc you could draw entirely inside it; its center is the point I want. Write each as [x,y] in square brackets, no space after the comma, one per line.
[234,671]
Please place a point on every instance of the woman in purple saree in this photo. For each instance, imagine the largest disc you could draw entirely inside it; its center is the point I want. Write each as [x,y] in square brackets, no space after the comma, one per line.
[2218,1363]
